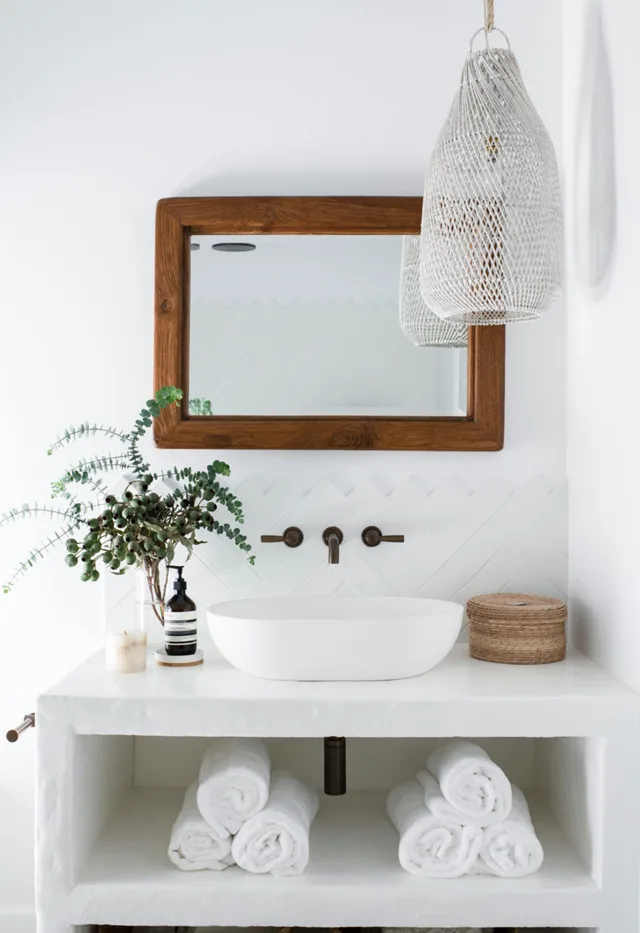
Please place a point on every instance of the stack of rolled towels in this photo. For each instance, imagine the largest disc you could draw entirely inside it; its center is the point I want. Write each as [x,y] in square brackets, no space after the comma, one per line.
[463,816]
[240,812]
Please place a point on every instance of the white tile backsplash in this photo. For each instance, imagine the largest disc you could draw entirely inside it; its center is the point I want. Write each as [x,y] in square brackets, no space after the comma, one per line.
[460,540]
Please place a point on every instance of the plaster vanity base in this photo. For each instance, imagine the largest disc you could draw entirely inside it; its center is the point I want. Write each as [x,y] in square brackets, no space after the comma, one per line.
[110,747]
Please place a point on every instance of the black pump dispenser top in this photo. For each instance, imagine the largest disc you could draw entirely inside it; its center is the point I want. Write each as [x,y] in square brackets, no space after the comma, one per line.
[179,584]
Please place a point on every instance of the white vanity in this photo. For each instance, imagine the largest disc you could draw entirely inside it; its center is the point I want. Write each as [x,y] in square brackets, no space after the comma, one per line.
[110,746]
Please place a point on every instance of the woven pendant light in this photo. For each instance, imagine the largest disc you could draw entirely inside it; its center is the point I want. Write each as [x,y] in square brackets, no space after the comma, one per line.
[491,242]
[422,327]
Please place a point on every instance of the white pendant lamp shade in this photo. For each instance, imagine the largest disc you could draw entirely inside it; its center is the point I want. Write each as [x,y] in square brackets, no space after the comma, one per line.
[492,238]
[422,327]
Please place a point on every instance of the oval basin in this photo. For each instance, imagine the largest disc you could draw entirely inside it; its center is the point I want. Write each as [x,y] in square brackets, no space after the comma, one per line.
[317,638]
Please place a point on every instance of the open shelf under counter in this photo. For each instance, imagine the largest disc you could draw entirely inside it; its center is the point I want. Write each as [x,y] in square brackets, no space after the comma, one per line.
[353,879]
[460,696]
[567,732]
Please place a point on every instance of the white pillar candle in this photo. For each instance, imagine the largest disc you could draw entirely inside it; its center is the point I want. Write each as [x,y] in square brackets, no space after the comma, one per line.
[126,652]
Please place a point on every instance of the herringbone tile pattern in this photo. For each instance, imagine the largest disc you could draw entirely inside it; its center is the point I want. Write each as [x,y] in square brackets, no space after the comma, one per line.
[460,541]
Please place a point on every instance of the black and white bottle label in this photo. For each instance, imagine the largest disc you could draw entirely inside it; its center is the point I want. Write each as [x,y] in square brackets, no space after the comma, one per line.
[180,629]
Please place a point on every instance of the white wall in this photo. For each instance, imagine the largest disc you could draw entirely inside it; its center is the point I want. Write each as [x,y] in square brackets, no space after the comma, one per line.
[104,109]
[601,139]
[604,329]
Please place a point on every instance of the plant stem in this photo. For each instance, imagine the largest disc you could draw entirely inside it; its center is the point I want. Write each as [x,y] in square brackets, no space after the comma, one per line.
[151,569]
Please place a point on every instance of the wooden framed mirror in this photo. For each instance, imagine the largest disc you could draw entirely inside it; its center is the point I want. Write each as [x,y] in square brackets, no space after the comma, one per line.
[278,317]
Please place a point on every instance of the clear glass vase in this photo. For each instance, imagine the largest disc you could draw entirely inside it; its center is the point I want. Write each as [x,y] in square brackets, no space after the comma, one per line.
[148,610]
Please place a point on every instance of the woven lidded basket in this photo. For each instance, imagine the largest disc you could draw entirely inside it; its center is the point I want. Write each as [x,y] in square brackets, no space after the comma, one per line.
[517,628]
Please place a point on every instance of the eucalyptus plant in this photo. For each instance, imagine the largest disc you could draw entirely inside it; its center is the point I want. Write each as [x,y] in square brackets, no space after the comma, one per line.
[141,527]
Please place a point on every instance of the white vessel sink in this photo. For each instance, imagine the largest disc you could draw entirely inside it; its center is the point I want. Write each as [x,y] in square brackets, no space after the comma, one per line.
[307,638]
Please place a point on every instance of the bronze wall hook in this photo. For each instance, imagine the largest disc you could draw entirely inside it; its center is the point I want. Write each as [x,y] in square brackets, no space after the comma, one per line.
[28,722]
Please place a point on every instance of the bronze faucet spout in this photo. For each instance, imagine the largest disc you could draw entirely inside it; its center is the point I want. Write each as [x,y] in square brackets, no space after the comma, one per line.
[334,549]
[333,538]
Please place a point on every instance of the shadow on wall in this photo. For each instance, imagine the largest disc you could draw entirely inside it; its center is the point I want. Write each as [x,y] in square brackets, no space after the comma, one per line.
[302,181]
[595,169]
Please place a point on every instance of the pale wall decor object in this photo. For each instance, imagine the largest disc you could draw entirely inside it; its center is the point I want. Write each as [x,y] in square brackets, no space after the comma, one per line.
[418,322]
[596,211]
[492,233]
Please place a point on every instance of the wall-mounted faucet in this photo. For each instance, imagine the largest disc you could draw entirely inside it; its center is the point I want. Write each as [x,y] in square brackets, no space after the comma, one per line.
[333,538]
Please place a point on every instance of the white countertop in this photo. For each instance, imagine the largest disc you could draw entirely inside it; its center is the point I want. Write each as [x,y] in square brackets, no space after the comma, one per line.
[460,696]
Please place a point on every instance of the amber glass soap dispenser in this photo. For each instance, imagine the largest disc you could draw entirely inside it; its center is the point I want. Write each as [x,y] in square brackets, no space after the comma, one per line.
[180,620]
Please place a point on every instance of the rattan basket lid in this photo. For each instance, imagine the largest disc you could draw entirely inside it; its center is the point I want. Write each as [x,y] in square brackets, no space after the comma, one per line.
[517,606]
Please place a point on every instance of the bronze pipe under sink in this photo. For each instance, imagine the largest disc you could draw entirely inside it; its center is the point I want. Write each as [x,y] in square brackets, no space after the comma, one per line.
[335,765]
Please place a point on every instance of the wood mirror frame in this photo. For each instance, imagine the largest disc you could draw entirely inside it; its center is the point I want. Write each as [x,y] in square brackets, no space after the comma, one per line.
[178,218]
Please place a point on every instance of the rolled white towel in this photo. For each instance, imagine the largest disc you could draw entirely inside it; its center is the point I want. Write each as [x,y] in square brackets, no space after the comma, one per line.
[234,782]
[511,849]
[195,844]
[436,803]
[277,839]
[470,781]
[428,847]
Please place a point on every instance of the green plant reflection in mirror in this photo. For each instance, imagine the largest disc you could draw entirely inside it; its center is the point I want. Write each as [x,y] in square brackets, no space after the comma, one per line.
[200,406]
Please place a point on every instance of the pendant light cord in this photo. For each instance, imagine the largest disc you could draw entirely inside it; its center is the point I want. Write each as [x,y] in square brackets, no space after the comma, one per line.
[489,15]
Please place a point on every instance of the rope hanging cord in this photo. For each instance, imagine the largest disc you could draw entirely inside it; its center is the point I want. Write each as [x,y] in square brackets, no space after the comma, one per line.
[489,15]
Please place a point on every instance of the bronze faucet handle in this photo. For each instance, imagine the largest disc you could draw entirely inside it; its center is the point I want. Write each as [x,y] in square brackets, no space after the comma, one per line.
[292,537]
[372,537]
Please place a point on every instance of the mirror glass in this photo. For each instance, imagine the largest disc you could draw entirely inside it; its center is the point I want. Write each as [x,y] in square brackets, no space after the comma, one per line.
[309,325]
